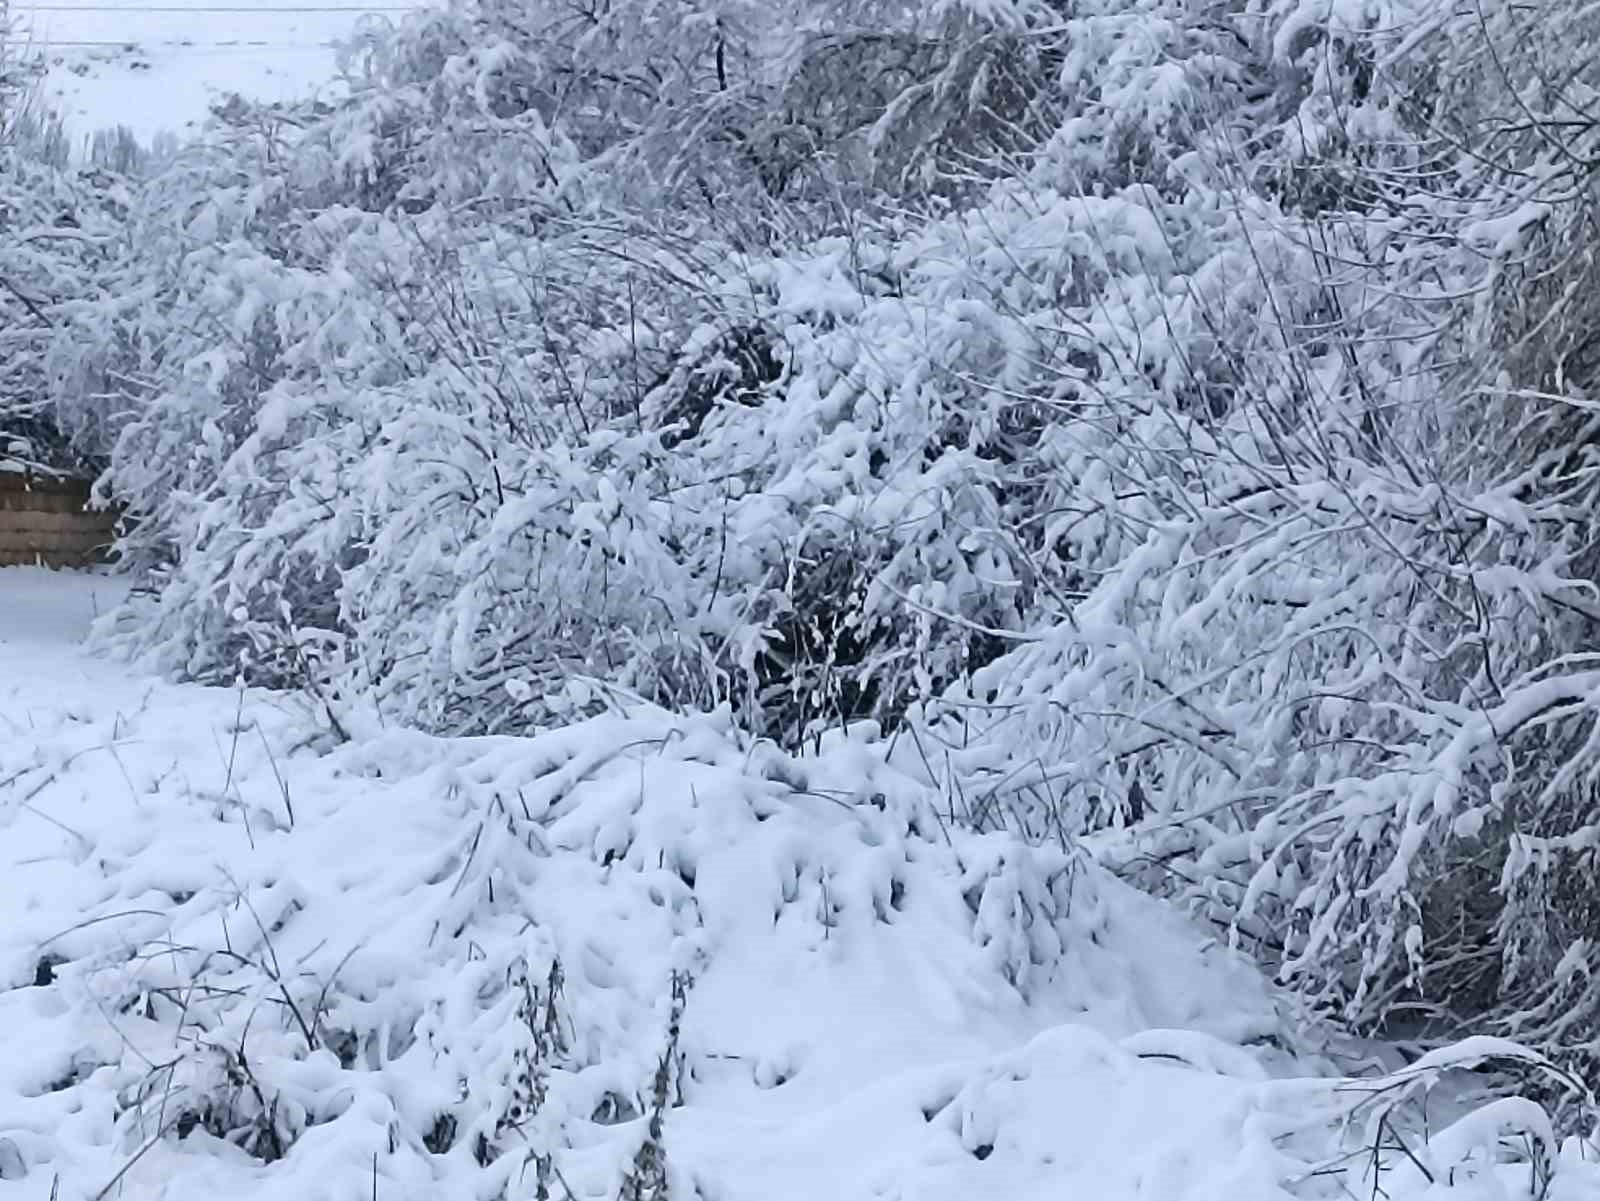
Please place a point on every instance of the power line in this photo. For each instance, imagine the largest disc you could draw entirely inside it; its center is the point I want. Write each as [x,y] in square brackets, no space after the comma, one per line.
[135,44]
[214,8]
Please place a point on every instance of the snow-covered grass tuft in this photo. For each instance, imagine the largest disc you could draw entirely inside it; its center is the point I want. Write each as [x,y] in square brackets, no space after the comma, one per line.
[640,956]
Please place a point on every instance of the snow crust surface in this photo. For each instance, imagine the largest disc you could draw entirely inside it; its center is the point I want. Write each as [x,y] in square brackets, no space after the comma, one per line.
[240,960]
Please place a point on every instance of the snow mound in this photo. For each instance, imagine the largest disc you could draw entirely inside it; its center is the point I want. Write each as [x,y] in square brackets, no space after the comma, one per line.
[636,957]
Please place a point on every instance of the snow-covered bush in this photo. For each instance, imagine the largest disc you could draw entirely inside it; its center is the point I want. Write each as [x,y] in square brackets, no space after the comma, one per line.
[1170,419]
[56,222]
[1332,659]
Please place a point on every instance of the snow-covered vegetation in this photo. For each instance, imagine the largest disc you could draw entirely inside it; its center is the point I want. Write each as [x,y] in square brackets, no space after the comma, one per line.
[636,957]
[57,226]
[1098,438]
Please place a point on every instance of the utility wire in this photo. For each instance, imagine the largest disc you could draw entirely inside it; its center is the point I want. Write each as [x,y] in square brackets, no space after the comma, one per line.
[135,44]
[21,9]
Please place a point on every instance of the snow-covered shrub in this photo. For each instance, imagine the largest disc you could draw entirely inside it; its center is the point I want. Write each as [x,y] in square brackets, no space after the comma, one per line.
[1332,659]
[57,221]
[1168,418]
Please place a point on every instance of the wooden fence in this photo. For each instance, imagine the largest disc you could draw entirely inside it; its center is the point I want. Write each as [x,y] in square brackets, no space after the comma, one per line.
[45,519]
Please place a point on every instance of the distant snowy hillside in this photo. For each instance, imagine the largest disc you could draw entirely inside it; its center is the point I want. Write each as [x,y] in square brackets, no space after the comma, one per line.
[156,65]
[640,957]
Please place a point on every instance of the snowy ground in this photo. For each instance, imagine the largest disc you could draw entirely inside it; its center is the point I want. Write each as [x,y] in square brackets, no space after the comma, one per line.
[238,960]
[156,65]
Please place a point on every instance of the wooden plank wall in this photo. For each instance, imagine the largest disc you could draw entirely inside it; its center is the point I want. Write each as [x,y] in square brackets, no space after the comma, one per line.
[45,520]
